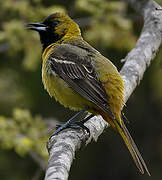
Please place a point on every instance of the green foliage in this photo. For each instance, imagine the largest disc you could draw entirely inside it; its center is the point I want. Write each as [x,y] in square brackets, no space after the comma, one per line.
[23,133]
[109,25]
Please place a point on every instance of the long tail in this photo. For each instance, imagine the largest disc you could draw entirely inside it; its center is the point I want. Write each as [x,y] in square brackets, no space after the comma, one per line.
[123,131]
[140,163]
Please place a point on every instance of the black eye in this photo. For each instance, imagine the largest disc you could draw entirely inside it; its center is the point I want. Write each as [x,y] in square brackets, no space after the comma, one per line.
[55,23]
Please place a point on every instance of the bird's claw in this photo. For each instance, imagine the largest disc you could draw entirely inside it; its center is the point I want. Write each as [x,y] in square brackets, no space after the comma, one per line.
[75,125]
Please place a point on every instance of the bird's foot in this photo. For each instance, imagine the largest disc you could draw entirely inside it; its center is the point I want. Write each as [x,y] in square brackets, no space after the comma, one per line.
[73,125]
[76,125]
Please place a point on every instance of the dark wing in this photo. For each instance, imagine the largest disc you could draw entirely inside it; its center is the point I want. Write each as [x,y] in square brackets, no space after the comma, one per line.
[79,74]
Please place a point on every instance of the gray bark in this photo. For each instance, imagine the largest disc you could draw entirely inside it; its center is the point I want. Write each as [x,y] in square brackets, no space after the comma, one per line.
[62,147]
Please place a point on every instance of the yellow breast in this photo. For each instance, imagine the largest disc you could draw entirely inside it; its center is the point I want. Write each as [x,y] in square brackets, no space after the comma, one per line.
[59,89]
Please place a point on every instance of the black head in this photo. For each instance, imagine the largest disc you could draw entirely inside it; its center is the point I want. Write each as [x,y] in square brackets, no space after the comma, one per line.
[54,28]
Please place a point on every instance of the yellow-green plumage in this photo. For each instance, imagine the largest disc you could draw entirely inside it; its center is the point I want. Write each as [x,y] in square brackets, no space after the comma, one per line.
[77,76]
[108,75]
[61,91]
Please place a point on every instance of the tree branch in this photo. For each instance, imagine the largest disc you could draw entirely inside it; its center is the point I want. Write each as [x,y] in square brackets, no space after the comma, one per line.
[62,147]
[146,47]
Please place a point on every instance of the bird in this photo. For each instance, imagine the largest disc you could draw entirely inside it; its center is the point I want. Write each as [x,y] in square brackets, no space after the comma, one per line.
[81,78]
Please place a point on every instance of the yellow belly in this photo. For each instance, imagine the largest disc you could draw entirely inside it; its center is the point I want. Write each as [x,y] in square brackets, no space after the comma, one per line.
[60,90]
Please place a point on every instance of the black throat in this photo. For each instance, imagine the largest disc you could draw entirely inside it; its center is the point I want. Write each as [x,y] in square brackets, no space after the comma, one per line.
[48,38]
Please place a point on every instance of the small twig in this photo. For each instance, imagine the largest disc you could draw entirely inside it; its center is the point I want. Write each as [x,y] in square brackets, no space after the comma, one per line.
[41,162]
[37,174]
[158,9]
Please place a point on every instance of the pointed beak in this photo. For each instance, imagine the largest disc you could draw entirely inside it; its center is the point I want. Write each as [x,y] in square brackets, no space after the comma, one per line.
[37,27]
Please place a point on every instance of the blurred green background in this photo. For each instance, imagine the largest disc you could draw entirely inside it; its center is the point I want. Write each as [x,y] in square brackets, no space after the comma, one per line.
[112,27]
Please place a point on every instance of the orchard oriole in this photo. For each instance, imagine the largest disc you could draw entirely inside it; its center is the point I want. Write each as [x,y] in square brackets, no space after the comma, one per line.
[79,77]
